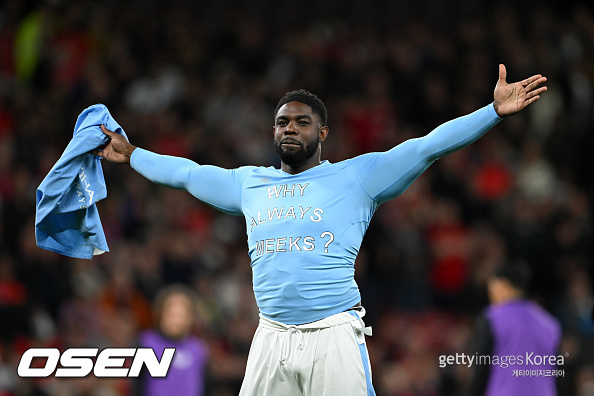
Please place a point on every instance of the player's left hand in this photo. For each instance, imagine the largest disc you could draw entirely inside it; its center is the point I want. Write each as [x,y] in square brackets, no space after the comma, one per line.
[513,98]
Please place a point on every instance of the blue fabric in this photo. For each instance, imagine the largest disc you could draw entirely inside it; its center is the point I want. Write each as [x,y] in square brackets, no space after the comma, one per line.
[366,368]
[66,219]
[305,230]
[365,361]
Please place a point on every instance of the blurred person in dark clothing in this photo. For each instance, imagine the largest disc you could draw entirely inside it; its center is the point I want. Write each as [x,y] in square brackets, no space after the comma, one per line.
[514,326]
[175,307]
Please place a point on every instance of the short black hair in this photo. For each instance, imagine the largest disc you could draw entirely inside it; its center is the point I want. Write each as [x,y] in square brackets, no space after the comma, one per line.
[305,97]
[516,272]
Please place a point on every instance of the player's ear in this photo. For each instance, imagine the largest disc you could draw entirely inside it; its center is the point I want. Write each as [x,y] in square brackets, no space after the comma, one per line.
[323,133]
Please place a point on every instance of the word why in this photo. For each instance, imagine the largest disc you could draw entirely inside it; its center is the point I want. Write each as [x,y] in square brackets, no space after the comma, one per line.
[284,190]
[78,362]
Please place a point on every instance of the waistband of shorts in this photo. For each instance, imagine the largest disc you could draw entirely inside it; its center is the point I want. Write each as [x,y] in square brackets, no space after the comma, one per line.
[352,315]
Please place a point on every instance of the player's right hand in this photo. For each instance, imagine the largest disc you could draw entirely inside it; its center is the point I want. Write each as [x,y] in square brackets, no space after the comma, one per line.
[117,149]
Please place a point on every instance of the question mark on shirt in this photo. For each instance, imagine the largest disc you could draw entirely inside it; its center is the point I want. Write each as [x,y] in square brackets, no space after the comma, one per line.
[329,240]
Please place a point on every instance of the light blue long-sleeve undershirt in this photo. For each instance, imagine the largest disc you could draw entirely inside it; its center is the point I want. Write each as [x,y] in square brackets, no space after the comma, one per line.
[304,230]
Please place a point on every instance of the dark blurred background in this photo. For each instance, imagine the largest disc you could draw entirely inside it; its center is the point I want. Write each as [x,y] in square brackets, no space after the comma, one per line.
[201,79]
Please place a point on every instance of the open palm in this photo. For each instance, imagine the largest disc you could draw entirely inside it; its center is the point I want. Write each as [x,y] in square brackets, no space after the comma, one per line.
[514,97]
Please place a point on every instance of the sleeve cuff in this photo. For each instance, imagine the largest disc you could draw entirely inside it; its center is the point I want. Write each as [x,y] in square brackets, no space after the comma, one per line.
[134,157]
[492,112]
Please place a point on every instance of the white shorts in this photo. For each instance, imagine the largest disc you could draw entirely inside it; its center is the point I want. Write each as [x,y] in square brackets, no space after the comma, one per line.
[324,358]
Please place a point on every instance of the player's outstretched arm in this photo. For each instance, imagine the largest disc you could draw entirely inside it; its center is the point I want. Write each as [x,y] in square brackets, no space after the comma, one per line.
[388,174]
[218,187]
[166,170]
[513,98]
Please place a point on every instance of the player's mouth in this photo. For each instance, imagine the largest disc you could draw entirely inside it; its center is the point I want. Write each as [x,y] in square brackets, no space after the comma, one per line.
[290,143]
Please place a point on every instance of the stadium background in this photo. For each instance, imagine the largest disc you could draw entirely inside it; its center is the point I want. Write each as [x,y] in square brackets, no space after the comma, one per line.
[200,80]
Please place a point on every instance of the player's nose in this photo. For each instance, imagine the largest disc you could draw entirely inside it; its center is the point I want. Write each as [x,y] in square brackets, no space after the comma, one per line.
[291,128]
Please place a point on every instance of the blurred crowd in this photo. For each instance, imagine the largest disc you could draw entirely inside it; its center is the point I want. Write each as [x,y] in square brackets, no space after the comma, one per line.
[201,79]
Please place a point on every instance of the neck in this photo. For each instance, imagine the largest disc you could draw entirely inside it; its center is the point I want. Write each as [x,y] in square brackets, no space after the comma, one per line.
[509,296]
[169,336]
[314,160]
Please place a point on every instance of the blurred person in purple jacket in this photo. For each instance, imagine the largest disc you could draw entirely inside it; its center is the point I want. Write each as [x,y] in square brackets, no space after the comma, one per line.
[175,307]
[516,343]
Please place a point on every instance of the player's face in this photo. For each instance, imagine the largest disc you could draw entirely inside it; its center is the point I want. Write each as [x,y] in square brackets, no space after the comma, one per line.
[297,133]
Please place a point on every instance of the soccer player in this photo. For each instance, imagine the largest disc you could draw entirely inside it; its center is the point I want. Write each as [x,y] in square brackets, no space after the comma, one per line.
[305,223]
